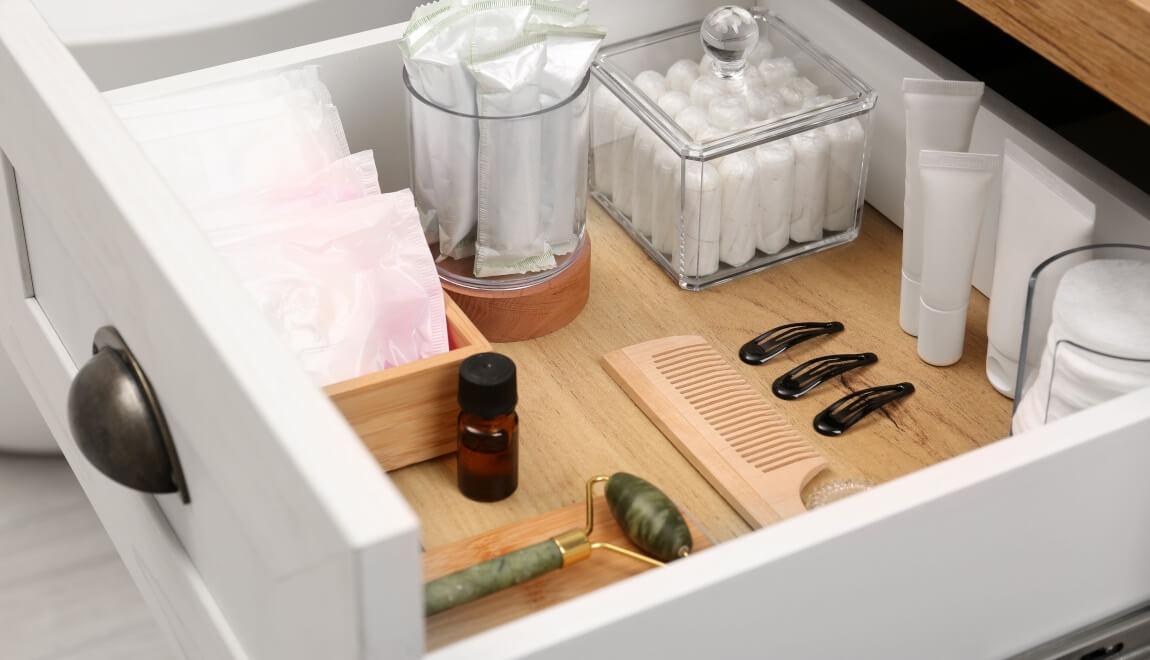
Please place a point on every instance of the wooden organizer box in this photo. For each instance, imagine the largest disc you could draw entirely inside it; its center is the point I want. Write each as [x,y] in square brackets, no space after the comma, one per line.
[407,414]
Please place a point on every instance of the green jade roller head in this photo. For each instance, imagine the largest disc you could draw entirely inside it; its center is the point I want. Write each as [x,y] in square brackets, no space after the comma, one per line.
[647,516]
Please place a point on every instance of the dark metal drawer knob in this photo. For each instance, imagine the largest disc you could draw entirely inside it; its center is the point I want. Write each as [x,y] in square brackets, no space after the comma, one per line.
[117,421]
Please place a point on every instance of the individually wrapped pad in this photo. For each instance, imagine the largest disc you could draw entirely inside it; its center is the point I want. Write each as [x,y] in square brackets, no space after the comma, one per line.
[564,148]
[847,141]
[350,288]
[512,235]
[349,178]
[666,196]
[213,153]
[812,160]
[439,39]
[246,90]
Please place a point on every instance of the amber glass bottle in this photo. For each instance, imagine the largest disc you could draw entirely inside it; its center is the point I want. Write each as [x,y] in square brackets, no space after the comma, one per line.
[488,428]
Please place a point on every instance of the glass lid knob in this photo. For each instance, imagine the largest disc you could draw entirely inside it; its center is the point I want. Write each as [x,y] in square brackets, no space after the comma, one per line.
[729,35]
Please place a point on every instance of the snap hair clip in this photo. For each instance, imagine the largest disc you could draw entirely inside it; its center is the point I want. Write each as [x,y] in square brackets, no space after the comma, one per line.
[812,373]
[776,340]
[847,411]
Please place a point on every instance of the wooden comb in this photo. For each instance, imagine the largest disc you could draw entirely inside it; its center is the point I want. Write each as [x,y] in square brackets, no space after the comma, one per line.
[736,439]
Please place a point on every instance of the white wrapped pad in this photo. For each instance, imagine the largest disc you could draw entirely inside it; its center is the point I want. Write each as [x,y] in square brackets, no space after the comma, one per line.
[623,160]
[604,107]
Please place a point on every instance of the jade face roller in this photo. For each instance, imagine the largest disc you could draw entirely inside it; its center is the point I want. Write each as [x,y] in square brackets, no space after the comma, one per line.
[648,518]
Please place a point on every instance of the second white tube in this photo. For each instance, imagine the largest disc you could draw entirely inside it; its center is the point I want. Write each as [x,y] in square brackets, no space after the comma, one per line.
[939,115]
[955,188]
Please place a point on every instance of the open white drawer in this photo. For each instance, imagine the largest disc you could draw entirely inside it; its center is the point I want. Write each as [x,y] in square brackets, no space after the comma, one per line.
[296,545]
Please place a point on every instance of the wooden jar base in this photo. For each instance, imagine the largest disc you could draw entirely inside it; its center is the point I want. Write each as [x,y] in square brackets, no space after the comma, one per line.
[507,316]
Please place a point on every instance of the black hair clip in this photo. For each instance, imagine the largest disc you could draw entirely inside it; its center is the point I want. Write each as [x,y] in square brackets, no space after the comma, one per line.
[844,413]
[812,373]
[776,340]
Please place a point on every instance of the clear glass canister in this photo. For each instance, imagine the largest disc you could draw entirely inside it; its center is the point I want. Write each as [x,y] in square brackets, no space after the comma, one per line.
[1086,332]
[502,199]
[730,153]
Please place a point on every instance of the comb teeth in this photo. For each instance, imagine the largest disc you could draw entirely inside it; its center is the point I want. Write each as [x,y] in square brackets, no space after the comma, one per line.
[740,416]
[730,433]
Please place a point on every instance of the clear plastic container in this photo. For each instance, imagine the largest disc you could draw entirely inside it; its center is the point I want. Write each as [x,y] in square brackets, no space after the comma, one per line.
[1081,354]
[503,199]
[773,175]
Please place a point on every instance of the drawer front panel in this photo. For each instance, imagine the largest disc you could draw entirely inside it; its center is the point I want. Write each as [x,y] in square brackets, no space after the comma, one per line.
[288,510]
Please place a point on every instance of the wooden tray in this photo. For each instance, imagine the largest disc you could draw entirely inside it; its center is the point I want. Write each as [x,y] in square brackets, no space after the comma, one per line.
[601,569]
[407,414]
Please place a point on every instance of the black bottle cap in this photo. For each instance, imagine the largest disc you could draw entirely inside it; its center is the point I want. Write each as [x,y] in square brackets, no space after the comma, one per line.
[487,385]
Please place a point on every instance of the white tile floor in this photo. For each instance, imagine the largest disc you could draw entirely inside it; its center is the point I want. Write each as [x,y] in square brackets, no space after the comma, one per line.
[63,592]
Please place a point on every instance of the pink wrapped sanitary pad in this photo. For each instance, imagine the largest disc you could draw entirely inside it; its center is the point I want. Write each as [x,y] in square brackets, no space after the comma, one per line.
[350,288]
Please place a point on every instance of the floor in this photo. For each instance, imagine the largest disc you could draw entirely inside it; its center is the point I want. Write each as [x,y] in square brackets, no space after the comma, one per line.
[63,592]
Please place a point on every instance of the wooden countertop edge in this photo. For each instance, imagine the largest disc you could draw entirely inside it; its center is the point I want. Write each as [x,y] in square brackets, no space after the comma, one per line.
[1106,45]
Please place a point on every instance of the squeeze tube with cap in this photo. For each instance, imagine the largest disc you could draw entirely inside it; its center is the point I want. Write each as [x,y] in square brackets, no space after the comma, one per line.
[939,116]
[955,188]
[564,178]
[512,237]
[776,194]
[848,140]
[812,162]
[1040,215]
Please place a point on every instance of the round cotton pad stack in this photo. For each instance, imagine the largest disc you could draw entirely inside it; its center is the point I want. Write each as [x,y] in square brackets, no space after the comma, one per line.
[604,107]
[1101,309]
[681,75]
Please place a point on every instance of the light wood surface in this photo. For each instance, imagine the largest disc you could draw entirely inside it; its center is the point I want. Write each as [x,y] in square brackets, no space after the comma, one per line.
[601,569]
[407,414]
[724,427]
[1104,44]
[575,422]
[531,312]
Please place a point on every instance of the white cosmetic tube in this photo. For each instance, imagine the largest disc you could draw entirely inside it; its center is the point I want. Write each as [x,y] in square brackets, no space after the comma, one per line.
[848,140]
[812,162]
[776,194]
[1040,215]
[955,188]
[939,116]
